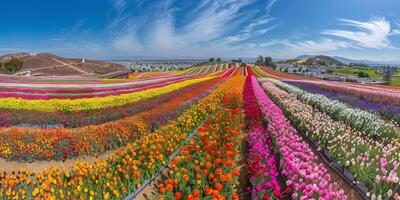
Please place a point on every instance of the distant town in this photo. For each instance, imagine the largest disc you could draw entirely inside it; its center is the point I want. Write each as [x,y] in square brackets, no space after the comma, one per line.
[157,65]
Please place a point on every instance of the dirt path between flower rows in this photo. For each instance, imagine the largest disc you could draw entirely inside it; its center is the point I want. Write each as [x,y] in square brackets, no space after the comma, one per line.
[38,166]
[151,191]
[350,192]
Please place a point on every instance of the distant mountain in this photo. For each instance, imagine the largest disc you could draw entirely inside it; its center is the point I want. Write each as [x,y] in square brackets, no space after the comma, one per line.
[345,60]
[368,62]
[49,64]
[305,56]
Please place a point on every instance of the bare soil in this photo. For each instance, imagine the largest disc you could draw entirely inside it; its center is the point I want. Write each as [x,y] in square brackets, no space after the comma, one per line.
[38,166]
[48,64]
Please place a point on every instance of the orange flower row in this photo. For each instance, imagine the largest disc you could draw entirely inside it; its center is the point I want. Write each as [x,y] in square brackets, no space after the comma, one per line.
[47,144]
[208,166]
[123,172]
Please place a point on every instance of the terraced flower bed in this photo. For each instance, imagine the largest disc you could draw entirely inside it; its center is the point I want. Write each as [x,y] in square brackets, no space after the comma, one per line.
[206,132]
[368,159]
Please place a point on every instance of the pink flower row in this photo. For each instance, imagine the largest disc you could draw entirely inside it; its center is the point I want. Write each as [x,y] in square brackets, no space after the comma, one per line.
[113,89]
[364,156]
[261,163]
[30,93]
[305,174]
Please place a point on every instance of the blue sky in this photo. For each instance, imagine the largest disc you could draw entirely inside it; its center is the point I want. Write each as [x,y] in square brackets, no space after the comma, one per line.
[202,28]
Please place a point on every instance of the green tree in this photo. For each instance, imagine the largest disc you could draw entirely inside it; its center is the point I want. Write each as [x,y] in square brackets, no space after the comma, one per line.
[260,60]
[12,66]
[362,74]
[268,62]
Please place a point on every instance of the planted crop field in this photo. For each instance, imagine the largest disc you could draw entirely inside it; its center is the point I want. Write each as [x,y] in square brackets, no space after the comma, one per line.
[207,132]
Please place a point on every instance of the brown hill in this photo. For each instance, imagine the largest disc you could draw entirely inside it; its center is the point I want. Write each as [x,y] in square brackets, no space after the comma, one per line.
[49,64]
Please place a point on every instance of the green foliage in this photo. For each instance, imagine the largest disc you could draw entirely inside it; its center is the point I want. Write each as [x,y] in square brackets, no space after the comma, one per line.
[11,66]
[362,74]
[237,61]
[265,61]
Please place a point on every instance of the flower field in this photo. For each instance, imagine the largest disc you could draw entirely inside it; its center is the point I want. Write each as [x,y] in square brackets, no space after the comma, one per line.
[206,132]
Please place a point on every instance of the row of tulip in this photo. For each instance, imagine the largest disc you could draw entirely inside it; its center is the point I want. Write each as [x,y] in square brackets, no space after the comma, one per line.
[262,168]
[372,162]
[376,94]
[61,93]
[207,69]
[387,110]
[123,172]
[31,144]
[307,176]
[362,120]
[92,103]
[208,166]
[81,118]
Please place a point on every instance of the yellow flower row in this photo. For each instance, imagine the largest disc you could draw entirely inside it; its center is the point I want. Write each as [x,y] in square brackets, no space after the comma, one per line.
[92,103]
[125,170]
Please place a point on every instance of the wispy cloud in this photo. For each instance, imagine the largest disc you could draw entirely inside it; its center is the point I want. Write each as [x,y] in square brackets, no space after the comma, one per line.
[275,42]
[216,24]
[323,45]
[13,50]
[78,25]
[270,4]
[258,22]
[77,49]
[119,4]
[397,30]
[370,34]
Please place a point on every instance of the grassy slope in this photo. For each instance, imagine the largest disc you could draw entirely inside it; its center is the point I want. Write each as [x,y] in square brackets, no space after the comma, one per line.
[371,72]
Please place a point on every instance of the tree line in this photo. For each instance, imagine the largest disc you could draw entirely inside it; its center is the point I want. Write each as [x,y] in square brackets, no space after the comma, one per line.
[265,61]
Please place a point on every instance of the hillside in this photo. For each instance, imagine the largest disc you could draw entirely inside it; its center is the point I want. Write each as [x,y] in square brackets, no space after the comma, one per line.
[322,60]
[313,60]
[49,64]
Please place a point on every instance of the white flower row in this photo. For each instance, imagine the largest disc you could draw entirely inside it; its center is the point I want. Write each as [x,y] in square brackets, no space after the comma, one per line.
[372,162]
[360,119]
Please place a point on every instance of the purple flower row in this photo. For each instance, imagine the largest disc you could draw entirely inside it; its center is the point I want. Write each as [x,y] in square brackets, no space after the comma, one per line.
[391,111]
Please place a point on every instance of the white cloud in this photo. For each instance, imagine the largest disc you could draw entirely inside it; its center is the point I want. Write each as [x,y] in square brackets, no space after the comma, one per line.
[217,24]
[396,31]
[13,50]
[265,30]
[78,25]
[213,22]
[120,5]
[127,43]
[270,4]
[275,42]
[258,22]
[311,46]
[370,34]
